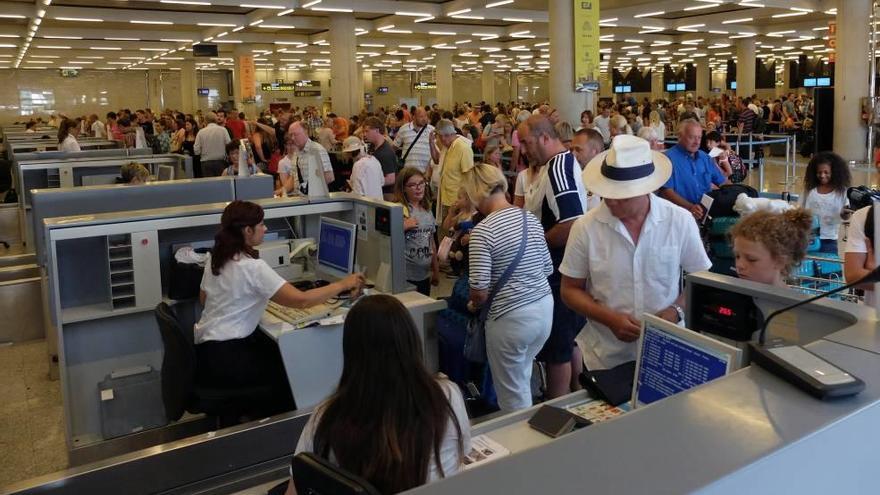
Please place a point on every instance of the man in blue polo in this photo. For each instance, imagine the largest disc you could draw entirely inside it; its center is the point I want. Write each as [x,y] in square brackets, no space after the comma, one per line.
[693,172]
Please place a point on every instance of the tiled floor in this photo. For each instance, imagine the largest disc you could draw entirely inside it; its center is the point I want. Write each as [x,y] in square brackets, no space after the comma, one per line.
[31,418]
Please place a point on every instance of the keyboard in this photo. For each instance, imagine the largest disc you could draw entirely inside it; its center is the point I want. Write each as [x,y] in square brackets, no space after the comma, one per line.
[300,317]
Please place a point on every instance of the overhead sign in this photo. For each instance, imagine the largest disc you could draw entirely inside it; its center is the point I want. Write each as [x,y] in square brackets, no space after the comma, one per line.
[203,91]
[306,93]
[586,45]
[423,85]
[277,86]
[307,84]
[832,41]
[247,77]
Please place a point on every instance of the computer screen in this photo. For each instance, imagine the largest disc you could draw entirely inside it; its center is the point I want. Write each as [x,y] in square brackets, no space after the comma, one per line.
[823,81]
[623,89]
[336,247]
[670,87]
[732,84]
[809,82]
[166,172]
[679,86]
[673,359]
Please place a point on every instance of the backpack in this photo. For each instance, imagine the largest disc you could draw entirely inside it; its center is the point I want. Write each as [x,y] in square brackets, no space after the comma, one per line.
[739,171]
[725,197]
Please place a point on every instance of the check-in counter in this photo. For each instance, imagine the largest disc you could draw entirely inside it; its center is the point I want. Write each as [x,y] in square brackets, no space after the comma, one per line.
[107,272]
[16,147]
[77,172]
[747,432]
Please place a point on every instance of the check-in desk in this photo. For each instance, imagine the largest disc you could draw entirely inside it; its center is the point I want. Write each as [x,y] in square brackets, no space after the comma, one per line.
[15,147]
[318,347]
[107,272]
[748,432]
[72,172]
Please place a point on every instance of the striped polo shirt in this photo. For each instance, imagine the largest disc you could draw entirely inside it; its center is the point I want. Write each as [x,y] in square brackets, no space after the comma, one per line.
[420,155]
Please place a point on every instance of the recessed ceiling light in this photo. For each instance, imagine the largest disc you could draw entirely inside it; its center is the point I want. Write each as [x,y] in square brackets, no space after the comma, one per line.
[790,14]
[650,14]
[105,48]
[164,23]
[53,47]
[516,19]
[736,21]
[498,4]
[214,24]
[284,12]
[78,19]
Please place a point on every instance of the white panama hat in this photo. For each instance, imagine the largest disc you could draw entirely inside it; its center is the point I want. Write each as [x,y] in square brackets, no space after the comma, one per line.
[630,168]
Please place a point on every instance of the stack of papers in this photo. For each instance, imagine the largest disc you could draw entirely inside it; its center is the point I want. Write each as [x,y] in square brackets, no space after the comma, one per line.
[598,410]
[483,449]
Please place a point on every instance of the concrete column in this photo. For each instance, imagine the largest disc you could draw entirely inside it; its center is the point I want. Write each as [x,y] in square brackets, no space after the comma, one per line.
[657,89]
[851,78]
[745,67]
[605,89]
[243,62]
[562,94]
[347,100]
[488,83]
[188,87]
[703,78]
[513,81]
[154,90]
[443,61]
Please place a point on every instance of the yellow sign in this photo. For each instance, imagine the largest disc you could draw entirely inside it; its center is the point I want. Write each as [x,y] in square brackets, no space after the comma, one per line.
[247,77]
[586,45]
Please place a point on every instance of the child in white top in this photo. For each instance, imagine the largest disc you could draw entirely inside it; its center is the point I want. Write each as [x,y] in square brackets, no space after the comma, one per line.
[825,183]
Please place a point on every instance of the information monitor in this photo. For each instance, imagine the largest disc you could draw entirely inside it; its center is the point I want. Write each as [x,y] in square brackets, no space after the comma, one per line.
[672,359]
[336,247]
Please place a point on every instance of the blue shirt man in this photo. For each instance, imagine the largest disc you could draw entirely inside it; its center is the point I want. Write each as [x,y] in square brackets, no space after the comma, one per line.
[693,172]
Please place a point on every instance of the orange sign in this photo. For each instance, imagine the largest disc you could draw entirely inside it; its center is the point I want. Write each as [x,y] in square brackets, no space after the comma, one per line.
[831,43]
[247,77]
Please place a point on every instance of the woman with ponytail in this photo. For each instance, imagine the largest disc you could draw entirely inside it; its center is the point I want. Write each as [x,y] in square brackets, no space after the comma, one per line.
[768,245]
[236,288]
[66,140]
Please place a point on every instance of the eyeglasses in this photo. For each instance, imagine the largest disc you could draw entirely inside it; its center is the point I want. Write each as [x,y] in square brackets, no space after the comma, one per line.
[416,185]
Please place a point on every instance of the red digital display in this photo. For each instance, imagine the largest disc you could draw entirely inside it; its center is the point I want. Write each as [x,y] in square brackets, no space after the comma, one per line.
[725,311]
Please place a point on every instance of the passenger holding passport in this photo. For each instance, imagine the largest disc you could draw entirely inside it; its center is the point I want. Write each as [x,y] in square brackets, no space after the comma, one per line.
[625,257]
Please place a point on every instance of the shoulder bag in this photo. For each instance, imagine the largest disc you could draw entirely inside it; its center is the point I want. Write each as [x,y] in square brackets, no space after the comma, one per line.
[406,154]
[475,340]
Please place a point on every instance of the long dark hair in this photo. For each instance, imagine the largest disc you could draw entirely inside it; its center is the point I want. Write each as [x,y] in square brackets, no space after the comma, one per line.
[388,415]
[64,129]
[229,240]
[840,175]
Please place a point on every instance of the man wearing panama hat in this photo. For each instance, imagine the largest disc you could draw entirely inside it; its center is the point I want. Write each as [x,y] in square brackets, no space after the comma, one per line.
[625,257]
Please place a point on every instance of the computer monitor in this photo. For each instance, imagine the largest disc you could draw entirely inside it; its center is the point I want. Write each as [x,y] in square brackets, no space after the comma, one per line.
[673,359]
[670,87]
[823,81]
[809,82]
[165,172]
[679,87]
[336,247]
[732,84]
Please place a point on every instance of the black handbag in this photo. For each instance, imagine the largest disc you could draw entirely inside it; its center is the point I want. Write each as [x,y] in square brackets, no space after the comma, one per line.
[614,385]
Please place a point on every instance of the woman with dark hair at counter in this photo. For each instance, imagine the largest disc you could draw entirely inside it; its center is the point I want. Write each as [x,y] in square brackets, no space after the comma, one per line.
[236,288]
[66,139]
[389,421]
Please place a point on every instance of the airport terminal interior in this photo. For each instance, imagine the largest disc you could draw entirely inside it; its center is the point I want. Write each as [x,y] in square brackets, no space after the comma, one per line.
[439,246]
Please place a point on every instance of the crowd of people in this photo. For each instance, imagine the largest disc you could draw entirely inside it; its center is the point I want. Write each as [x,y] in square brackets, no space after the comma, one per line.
[566,234]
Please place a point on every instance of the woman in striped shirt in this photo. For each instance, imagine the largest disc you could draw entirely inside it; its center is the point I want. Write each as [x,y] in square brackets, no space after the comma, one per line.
[521,312]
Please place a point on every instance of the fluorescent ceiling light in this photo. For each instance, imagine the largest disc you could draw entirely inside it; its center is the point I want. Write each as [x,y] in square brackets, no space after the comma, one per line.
[116,48]
[122,39]
[412,14]
[164,23]
[735,21]
[12,16]
[423,19]
[443,33]
[373,45]
[790,14]
[799,9]
[498,4]
[820,28]
[228,41]
[313,2]
[10,36]
[699,7]
[261,6]
[151,49]
[176,40]
[43,56]
[650,14]
[79,19]
[457,12]
[63,37]
[285,12]
[278,26]
[516,19]
[397,31]
[605,21]
[331,9]
[185,2]
[214,24]
[53,47]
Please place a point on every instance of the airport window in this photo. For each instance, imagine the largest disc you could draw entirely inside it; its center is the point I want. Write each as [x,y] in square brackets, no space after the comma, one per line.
[36,102]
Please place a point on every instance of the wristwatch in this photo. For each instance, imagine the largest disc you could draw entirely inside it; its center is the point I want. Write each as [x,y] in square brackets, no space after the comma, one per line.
[678,310]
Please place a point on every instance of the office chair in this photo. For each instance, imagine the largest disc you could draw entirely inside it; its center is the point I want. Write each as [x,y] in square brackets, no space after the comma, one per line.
[180,391]
[313,475]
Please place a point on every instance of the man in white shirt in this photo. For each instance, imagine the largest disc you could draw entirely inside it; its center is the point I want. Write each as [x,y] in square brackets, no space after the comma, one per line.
[414,142]
[311,160]
[366,173]
[211,146]
[602,123]
[625,258]
[96,127]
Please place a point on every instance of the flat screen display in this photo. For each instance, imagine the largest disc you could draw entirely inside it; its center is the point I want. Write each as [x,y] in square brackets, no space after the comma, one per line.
[732,84]
[623,89]
[670,365]
[823,81]
[809,82]
[203,50]
[336,246]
